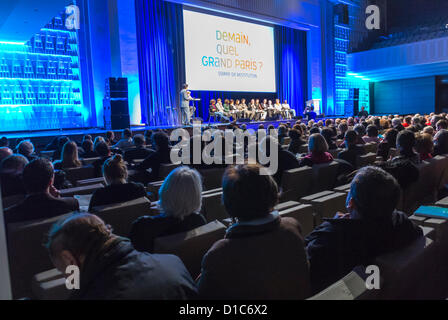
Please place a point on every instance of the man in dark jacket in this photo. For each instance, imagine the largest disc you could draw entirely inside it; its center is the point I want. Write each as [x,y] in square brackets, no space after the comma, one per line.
[110,268]
[139,152]
[352,150]
[42,200]
[262,255]
[371,228]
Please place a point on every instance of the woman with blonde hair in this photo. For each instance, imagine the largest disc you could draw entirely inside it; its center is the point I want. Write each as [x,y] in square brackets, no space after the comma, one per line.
[118,189]
[69,157]
[180,199]
[317,151]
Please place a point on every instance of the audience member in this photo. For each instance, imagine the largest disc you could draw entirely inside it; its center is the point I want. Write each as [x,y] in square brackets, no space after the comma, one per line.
[389,141]
[87,147]
[103,151]
[317,151]
[26,149]
[296,140]
[352,150]
[110,268]
[11,169]
[441,142]
[5,152]
[371,228]
[424,146]
[69,157]
[125,142]
[139,152]
[262,253]
[43,200]
[180,200]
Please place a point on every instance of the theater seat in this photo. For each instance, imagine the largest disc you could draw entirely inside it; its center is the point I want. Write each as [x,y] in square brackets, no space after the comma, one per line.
[191,246]
[50,285]
[304,214]
[328,206]
[83,173]
[89,182]
[88,189]
[27,255]
[165,169]
[365,160]
[371,147]
[335,152]
[409,272]
[212,207]
[212,178]
[303,148]
[12,200]
[351,287]
[47,154]
[89,161]
[324,176]
[308,199]
[121,215]
[345,188]
[296,183]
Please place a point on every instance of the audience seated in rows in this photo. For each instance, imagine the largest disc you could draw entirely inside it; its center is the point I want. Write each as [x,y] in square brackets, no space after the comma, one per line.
[371,228]
[103,151]
[389,141]
[110,268]
[262,254]
[118,190]
[180,200]
[87,147]
[43,199]
[296,140]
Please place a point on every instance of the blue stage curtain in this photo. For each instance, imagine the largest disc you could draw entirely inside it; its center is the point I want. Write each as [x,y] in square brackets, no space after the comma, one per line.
[291,66]
[161,55]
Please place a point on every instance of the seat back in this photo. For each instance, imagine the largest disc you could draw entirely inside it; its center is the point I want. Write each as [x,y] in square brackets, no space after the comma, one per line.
[165,169]
[27,255]
[326,207]
[371,147]
[89,182]
[88,161]
[365,160]
[324,176]
[212,178]
[296,183]
[334,152]
[87,189]
[82,173]
[212,207]
[47,154]
[303,148]
[12,200]
[408,272]
[191,246]
[121,215]
[303,214]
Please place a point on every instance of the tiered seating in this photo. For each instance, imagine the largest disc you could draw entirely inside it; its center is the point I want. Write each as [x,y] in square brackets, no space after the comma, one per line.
[81,173]
[296,183]
[324,176]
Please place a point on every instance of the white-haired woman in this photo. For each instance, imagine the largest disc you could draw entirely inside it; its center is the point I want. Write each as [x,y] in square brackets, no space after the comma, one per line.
[180,199]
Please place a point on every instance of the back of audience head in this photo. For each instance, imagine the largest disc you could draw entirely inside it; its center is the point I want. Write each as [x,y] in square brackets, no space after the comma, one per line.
[115,170]
[13,164]
[406,142]
[391,137]
[372,131]
[62,140]
[160,141]
[87,145]
[424,144]
[25,148]
[351,138]
[429,130]
[317,144]
[442,124]
[4,142]
[102,149]
[374,194]
[139,140]
[360,130]
[441,141]
[38,176]
[70,155]
[181,193]
[127,133]
[71,238]
[247,195]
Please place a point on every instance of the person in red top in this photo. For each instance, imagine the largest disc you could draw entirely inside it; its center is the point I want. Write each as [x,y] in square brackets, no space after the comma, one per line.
[407,121]
[318,151]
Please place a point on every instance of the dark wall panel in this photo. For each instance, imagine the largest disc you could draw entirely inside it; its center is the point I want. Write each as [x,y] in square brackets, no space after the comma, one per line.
[405,96]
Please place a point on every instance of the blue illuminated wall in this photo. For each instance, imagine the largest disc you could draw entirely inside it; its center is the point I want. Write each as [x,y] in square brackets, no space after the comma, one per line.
[344,79]
[40,81]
